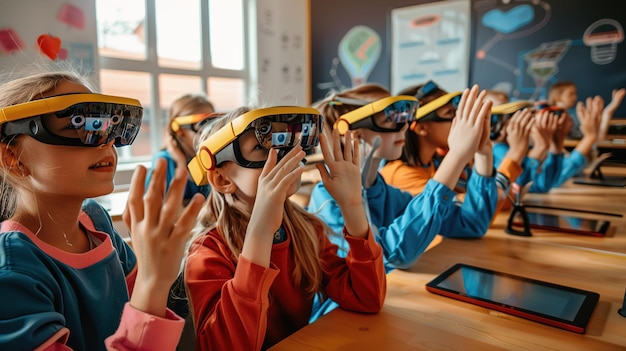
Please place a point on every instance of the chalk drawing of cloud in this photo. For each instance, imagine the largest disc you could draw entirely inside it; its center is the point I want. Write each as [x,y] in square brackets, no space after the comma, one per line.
[508,21]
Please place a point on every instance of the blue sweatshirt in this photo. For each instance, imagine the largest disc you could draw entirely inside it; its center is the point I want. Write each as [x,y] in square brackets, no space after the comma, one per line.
[406,225]
[47,292]
[544,175]
[190,189]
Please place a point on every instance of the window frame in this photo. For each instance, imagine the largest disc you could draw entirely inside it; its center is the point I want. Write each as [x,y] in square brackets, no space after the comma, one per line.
[150,65]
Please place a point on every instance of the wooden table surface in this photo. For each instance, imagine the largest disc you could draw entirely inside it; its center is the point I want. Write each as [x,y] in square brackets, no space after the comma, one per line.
[415,319]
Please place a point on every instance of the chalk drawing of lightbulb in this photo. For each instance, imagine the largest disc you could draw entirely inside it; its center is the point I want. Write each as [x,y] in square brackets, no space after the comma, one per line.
[603,43]
[359,50]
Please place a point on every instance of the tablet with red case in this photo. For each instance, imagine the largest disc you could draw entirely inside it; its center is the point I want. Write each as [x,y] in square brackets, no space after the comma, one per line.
[540,301]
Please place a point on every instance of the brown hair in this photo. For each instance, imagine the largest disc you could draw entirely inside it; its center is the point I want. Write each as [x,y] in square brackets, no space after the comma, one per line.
[410,149]
[27,87]
[189,104]
[332,112]
[557,89]
[232,223]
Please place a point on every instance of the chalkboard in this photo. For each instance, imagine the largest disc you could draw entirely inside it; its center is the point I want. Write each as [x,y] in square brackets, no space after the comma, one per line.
[524,46]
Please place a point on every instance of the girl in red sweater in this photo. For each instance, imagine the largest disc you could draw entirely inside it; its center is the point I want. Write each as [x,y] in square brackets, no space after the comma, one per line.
[259,259]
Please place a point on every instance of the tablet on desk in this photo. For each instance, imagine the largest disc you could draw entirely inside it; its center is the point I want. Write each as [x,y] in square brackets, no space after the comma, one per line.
[552,304]
[615,182]
[567,224]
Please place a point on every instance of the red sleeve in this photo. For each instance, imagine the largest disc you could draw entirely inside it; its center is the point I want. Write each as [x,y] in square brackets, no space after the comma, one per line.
[358,282]
[229,302]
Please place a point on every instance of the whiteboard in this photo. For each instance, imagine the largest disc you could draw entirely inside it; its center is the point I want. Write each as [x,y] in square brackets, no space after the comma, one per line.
[431,41]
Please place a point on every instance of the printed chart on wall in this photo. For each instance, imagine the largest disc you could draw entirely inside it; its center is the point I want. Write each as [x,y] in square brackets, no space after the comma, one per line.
[430,42]
[283,52]
[522,47]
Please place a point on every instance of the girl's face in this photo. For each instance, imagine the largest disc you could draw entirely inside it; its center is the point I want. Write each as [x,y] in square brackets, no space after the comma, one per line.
[437,133]
[67,171]
[391,143]
[246,179]
[568,97]
[185,139]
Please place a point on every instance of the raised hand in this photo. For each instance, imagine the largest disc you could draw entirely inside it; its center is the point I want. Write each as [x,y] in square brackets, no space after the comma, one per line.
[467,132]
[466,135]
[542,133]
[160,227]
[518,134]
[589,115]
[342,179]
[277,181]
[616,99]
[564,125]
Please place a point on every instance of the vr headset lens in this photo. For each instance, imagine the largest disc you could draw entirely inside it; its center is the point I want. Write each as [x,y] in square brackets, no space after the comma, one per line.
[82,124]
[401,111]
[281,132]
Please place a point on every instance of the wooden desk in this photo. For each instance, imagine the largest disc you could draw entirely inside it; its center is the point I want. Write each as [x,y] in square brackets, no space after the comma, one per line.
[414,319]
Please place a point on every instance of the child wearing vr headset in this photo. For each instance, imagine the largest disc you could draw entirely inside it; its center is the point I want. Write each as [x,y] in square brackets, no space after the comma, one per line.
[66,274]
[405,225]
[188,114]
[546,164]
[421,162]
[543,125]
[258,259]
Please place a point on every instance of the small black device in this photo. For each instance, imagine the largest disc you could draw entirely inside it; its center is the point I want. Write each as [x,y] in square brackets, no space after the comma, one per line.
[565,223]
[536,300]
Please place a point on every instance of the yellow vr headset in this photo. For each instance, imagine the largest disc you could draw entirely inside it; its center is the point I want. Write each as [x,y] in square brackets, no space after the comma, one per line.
[502,113]
[79,119]
[427,111]
[510,107]
[194,122]
[399,109]
[280,128]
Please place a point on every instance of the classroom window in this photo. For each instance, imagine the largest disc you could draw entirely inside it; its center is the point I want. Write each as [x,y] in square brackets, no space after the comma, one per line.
[156,51]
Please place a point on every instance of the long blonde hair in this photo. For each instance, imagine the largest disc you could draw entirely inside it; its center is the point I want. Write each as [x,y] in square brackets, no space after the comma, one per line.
[16,90]
[231,223]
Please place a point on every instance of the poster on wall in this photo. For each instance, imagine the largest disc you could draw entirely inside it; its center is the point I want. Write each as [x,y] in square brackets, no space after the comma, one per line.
[430,42]
[283,52]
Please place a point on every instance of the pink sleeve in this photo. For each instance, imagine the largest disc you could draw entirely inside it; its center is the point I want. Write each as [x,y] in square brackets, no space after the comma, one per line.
[142,331]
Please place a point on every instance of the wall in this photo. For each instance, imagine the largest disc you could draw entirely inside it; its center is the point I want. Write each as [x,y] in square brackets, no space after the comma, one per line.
[67,30]
[524,47]
[501,65]
[330,21]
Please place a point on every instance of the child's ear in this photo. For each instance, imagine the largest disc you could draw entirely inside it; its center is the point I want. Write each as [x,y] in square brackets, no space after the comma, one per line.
[10,160]
[419,128]
[220,181]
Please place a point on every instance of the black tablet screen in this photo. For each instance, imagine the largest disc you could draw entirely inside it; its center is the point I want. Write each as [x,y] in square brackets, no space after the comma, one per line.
[514,292]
